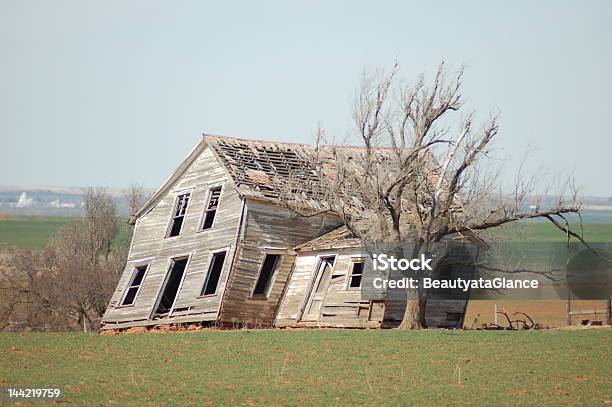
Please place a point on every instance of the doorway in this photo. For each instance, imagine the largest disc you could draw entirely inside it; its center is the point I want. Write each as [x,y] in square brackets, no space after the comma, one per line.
[169,291]
[319,289]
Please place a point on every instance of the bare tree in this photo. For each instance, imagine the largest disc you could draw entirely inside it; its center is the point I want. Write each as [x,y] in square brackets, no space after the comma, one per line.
[91,255]
[416,176]
[68,284]
[29,296]
[135,197]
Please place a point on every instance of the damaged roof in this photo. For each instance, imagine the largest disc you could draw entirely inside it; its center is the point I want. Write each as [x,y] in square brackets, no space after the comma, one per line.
[265,169]
[339,238]
[343,238]
[259,169]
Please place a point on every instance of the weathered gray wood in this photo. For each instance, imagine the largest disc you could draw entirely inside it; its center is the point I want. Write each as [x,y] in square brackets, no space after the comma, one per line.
[341,303]
[149,242]
[268,228]
[341,306]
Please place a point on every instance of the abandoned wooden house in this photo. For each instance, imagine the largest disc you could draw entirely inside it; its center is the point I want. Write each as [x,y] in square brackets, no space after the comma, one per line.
[214,246]
[329,287]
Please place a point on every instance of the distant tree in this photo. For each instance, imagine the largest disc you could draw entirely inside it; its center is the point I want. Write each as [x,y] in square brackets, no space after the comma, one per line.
[135,197]
[29,293]
[69,283]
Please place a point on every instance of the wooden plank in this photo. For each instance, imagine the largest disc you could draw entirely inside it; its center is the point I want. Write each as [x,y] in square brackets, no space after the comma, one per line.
[589,312]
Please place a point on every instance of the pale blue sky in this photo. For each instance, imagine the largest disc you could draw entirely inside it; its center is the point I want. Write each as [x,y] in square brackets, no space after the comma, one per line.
[113,92]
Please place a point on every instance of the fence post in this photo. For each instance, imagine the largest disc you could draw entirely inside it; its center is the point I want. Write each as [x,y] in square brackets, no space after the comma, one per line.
[609,311]
[495,314]
[568,309]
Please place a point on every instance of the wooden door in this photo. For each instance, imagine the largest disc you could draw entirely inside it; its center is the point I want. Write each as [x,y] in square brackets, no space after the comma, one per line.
[319,289]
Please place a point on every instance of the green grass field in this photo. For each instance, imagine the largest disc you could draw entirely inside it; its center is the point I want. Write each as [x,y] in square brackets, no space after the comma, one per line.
[29,232]
[35,232]
[546,232]
[311,367]
[316,367]
[32,232]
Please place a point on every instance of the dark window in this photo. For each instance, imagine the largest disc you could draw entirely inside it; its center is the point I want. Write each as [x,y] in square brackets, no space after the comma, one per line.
[211,207]
[178,215]
[356,275]
[135,283]
[268,268]
[168,295]
[214,273]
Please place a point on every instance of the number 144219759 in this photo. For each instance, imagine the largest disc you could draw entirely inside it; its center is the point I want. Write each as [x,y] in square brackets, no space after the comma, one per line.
[13,393]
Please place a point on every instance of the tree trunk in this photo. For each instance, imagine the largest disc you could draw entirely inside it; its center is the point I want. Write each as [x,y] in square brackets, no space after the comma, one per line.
[414,314]
[86,321]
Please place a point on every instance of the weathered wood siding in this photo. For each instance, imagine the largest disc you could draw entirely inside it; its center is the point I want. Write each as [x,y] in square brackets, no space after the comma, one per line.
[440,311]
[342,307]
[291,306]
[446,308]
[149,242]
[267,228]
